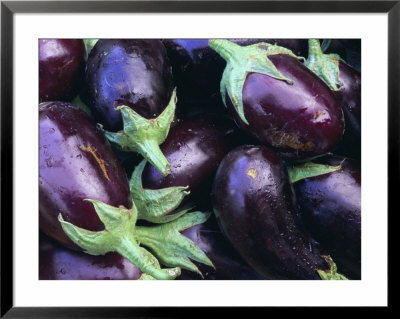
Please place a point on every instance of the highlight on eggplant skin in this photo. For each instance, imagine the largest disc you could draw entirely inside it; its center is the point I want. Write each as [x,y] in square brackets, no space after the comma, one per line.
[131,72]
[61,68]
[255,204]
[330,205]
[76,162]
[240,212]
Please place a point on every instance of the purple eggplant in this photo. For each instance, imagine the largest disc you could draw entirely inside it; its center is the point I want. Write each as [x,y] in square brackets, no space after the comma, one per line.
[135,73]
[86,201]
[194,148]
[276,99]
[59,263]
[61,67]
[331,209]
[197,68]
[255,205]
[76,162]
[129,88]
[345,82]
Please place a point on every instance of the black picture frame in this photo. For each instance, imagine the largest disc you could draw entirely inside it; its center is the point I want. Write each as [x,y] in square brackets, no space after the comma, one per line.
[9,8]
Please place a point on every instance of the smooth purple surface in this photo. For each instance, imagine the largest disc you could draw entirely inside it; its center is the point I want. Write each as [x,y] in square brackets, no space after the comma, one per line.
[69,174]
[256,207]
[194,148]
[61,64]
[331,209]
[301,119]
[132,72]
[59,263]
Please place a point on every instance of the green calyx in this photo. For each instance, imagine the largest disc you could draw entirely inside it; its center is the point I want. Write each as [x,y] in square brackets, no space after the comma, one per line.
[331,273]
[144,136]
[123,236]
[170,246]
[241,61]
[156,205]
[325,66]
[309,169]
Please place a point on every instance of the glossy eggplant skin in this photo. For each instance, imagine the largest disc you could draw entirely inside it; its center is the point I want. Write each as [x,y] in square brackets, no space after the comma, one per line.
[76,162]
[194,148]
[59,263]
[331,209]
[228,264]
[136,73]
[256,207]
[300,120]
[61,68]
[349,98]
[198,69]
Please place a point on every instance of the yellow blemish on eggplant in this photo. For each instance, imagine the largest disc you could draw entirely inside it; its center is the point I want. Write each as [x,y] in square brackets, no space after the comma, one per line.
[252,172]
[98,159]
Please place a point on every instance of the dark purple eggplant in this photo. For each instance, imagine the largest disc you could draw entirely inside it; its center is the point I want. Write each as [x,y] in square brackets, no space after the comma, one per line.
[197,68]
[85,199]
[227,262]
[76,162]
[129,88]
[194,148]
[345,82]
[255,205]
[59,263]
[331,209]
[61,67]
[276,99]
[131,72]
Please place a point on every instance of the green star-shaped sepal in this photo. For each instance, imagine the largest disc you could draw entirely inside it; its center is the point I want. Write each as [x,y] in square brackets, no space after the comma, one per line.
[144,136]
[118,236]
[325,66]
[241,61]
[123,236]
[170,246]
[156,205]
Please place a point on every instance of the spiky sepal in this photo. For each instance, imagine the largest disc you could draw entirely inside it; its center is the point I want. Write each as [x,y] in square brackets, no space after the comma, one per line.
[156,205]
[144,136]
[123,236]
[241,61]
[170,246]
[325,66]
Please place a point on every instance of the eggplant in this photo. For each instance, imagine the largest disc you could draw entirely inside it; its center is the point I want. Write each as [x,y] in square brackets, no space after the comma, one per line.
[255,205]
[61,68]
[197,68]
[129,88]
[131,72]
[85,201]
[59,263]
[194,148]
[345,82]
[280,102]
[76,162]
[227,262]
[331,210]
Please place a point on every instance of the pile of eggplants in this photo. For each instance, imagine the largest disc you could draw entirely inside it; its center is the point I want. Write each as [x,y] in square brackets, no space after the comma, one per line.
[199,159]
